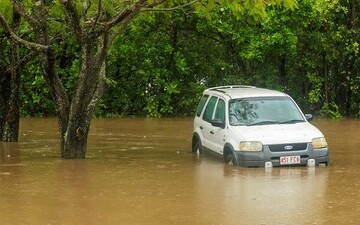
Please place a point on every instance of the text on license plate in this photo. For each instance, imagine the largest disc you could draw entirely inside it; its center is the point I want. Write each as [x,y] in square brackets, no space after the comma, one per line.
[288,160]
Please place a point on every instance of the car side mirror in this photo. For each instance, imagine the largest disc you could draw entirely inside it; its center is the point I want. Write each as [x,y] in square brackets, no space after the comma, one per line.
[218,123]
[309,117]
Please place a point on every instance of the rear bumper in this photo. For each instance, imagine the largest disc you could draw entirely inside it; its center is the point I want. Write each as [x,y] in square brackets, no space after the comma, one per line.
[259,159]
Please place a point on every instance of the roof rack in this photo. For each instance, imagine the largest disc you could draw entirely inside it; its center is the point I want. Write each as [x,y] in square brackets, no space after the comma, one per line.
[231,86]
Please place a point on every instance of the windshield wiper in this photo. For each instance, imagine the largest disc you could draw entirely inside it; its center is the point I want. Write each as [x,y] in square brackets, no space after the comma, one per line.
[264,122]
[292,121]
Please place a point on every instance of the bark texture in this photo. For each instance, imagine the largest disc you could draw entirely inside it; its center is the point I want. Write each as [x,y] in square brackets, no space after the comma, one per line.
[10,88]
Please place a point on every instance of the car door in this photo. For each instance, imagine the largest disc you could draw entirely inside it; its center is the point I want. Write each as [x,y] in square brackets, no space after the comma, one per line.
[206,127]
[213,137]
[218,133]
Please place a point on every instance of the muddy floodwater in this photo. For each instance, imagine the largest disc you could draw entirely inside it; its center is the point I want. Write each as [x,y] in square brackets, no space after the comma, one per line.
[141,171]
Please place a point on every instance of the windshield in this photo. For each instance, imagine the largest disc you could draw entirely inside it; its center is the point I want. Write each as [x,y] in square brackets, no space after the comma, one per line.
[262,111]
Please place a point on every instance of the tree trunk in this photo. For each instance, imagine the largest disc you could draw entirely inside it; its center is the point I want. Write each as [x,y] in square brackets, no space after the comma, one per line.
[349,60]
[75,143]
[89,91]
[11,92]
[4,100]
[10,125]
[73,119]
[282,70]
[3,82]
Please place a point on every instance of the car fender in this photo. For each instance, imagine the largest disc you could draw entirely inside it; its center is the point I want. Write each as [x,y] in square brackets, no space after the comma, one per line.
[228,148]
[233,139]
[198,133]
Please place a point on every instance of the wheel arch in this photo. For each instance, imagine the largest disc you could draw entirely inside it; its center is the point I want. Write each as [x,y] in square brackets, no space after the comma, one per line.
[229,149]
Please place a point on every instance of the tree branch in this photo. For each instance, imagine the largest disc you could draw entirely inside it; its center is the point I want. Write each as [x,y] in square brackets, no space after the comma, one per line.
[125,13]
[121,28]
[98,16]
[17,39]
[22,11]
[98,93]
[85,8]
[151,9]
[73,18]
[24,60]
[154,4]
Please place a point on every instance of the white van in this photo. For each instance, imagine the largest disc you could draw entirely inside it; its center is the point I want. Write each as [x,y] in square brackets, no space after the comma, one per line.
[255,127]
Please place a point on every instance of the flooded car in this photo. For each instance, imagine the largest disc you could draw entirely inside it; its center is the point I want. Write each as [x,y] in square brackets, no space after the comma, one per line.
[256,127]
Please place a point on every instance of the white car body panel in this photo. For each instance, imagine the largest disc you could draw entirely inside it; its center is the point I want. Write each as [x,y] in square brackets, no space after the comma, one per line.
[278,133]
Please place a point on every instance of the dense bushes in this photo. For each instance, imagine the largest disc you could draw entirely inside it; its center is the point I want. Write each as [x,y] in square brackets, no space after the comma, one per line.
[160,66]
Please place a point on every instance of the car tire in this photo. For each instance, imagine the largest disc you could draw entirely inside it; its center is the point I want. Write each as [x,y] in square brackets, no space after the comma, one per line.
[230,159]
[197,147]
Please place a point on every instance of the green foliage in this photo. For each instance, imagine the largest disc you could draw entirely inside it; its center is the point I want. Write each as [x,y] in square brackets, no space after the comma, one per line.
[315,95]
[162,62]
[331,111]
[6,9]
[35,97]
[251,11]
[156,63]
[68,63]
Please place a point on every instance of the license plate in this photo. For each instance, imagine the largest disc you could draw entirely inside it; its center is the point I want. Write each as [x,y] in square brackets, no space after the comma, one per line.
[289,160]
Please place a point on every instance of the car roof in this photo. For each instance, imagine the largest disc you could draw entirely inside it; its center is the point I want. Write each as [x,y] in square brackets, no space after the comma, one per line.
[243,91]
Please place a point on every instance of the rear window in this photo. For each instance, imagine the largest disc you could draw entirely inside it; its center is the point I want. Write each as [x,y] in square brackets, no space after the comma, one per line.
[201,105]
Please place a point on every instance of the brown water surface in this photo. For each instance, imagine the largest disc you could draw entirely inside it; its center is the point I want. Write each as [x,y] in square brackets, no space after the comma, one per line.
[141,171]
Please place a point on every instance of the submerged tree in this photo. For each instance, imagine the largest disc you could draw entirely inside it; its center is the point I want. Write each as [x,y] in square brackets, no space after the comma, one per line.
[95,25]
[9,84]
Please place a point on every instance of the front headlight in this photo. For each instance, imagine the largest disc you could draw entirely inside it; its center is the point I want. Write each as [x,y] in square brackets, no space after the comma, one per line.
[251,146]
[319,143]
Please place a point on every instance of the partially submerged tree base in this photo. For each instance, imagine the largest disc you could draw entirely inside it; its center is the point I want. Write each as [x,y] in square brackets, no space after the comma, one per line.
[75,140]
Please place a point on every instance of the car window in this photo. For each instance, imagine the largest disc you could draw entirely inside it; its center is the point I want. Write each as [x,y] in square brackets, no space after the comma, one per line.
[209,110]
[201,105]
[269,110]
[220,110]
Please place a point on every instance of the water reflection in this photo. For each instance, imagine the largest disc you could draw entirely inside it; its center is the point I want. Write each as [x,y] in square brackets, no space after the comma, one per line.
[141,171]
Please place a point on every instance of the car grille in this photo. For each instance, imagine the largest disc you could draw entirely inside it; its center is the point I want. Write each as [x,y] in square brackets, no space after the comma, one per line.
[288,147]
